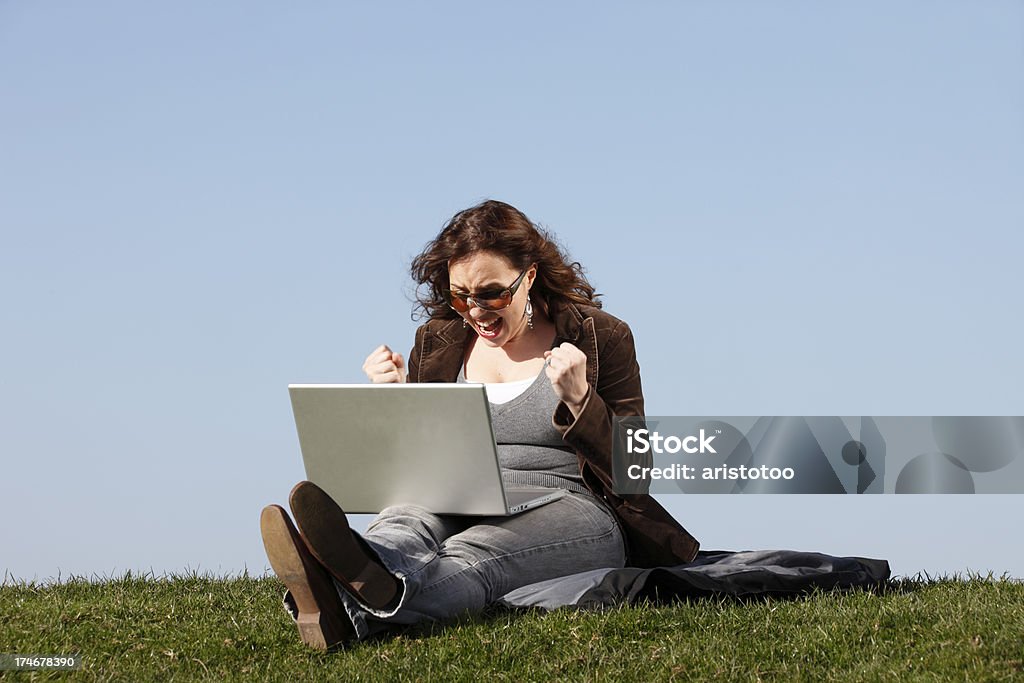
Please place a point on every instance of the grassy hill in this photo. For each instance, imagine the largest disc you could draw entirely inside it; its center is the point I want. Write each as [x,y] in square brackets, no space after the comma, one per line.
[201,628]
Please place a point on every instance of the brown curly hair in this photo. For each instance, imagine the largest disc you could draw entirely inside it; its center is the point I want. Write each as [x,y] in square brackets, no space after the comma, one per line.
[501,228]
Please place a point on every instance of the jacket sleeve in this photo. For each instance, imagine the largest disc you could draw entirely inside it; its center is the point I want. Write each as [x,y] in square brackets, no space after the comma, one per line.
[618,393]
[652,536]
[412,366]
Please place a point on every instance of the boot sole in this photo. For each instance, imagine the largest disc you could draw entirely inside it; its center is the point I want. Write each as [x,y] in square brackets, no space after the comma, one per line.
[322,622]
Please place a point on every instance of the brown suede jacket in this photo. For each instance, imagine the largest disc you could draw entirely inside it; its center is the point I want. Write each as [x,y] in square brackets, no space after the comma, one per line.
[653,537]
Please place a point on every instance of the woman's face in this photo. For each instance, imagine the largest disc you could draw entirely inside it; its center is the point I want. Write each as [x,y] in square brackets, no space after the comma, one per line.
[487,271]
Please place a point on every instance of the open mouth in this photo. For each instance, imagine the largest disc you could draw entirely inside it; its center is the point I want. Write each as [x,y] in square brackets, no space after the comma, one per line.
[490,329]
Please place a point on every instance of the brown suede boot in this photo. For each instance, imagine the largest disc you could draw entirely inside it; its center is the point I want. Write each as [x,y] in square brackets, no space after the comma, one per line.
[322,621]
[324,527]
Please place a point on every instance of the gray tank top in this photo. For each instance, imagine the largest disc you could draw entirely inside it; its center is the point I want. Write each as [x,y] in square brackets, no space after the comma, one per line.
[530,450]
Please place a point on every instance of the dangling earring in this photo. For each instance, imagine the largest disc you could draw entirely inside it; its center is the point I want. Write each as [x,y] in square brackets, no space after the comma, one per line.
[529,313]
[464,323]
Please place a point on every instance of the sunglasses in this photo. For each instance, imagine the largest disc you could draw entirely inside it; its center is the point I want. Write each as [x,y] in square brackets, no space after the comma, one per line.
[490,300]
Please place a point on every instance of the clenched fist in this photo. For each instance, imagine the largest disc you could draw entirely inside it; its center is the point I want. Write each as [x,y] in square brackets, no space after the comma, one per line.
[384,366]
[567,370]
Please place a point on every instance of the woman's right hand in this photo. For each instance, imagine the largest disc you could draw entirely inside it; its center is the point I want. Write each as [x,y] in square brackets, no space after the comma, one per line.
[384,366]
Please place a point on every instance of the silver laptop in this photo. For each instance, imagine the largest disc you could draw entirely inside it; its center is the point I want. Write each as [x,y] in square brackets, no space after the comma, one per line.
[374,445]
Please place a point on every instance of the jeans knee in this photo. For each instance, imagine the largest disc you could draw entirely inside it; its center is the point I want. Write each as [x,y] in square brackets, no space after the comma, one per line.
[403,511]
[401,521]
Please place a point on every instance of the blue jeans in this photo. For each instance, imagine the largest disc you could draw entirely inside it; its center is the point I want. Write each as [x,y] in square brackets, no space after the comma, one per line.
[449,564]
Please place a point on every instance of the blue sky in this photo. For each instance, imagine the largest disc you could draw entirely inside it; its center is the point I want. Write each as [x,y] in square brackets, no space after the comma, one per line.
[800,208]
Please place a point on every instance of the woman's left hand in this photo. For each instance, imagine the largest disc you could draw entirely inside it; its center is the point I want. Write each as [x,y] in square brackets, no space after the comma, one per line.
[567,370]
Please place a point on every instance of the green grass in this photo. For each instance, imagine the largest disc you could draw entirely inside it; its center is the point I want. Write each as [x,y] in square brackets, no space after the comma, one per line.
[201,628]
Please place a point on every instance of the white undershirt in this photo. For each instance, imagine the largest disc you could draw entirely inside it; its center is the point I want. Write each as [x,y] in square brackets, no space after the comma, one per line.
[503,392]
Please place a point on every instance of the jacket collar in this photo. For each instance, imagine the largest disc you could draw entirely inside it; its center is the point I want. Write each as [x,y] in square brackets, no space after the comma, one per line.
[568,322]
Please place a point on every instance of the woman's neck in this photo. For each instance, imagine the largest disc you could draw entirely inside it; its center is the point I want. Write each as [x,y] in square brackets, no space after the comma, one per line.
[518,358]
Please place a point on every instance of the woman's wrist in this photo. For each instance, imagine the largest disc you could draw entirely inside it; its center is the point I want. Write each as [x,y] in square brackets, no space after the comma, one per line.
[576,407]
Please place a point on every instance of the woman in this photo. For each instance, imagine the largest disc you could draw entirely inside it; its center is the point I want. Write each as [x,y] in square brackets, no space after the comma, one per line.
[507,310]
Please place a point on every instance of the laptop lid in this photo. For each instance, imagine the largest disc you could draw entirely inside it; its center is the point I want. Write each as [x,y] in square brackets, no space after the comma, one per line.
[374,445]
